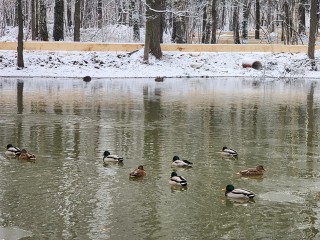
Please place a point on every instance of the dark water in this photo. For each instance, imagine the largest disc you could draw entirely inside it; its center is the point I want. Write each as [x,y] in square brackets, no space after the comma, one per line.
[68,193]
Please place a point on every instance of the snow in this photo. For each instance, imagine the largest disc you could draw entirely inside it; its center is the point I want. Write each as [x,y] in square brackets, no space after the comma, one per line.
[172,65]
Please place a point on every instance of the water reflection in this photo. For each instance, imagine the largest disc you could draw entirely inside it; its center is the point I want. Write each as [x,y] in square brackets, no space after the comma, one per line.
[68,193]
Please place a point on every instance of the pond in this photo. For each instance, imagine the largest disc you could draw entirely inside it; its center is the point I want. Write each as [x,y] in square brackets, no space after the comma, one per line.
[68,193]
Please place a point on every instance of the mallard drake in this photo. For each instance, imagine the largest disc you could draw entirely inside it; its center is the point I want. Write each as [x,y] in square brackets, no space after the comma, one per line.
[259,170]
[229,152]
[12,151]
[177,180]
[177,162]
[25,155]
[238,192]
[107,157]
[138,172]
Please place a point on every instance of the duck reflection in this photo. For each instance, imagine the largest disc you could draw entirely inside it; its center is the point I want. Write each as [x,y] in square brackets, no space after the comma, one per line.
[237,202]
[176,188]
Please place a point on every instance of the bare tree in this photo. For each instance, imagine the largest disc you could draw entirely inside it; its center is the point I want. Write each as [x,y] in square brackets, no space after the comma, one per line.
[207,23]
[179,22]
[313,32]
[235,22]
[99,13]
[20,61]
[76,32]
[34,30]
[302,18]
[214,22]
[43,30]
[135,5]
[69,18]
[153,29]
[246,12]
[294,39]
[257,19]
[286,23]
[58,27]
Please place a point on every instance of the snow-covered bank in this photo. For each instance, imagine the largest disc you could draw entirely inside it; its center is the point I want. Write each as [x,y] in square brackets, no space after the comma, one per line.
[173,64]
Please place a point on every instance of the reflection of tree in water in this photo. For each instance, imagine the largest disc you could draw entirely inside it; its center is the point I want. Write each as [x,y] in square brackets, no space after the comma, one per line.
[20,96]
[151,153]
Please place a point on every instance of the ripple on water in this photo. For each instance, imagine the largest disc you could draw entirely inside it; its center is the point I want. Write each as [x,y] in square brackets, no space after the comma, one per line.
[281,197]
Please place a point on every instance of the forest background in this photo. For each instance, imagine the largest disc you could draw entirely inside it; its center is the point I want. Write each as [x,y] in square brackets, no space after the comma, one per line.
[155,22]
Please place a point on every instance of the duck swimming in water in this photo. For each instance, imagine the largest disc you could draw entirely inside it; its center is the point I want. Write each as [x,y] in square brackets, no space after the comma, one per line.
[257,171]
[107,157]
[177,180]
[25,155]
[239,193]
[12,151]
[229,152]
[177,162]
[138,172]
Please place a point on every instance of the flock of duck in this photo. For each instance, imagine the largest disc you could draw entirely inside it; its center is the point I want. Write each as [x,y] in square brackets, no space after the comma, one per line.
[177,180]
[22,154]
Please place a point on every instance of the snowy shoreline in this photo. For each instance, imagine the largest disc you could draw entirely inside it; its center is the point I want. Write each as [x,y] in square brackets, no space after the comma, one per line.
[47,64]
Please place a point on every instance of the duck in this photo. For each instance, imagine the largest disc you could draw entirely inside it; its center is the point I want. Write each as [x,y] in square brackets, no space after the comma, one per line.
[177,162]
[138,172]
[259,170]
[107,157]
[12,151]
[25,155]
[238,193]
[177,180]
[229,152]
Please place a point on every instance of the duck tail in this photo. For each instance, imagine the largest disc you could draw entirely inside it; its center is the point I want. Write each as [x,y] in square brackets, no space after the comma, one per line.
[188,162]
[183,183]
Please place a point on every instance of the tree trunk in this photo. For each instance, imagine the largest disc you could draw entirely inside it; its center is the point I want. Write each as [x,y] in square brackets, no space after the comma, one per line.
[179,33]
[246,12]
[58,27]
[223,15]
[208,25]
[77,13]
[286,23]
[235,22]
[99,12]
[269,15]
[135,20]
[204,25]
[2,18]
[43,31]
[313,32]
[295,22]
[34,32]
[20,61]
[153,28]
[257,30]
[69,18]
[214,22]
[302,19]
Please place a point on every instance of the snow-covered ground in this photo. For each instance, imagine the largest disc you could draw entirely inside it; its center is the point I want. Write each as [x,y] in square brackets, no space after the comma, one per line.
[173,64]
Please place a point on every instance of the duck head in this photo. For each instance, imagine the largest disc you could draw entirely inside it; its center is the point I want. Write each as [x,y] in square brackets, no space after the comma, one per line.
[140,167]
[175,158]
[229,188]
[174,174]
[23,150]
[260,168]
[9,146]
[106,153]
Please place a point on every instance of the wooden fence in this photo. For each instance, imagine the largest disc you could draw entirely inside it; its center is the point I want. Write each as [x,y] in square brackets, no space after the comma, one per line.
[129,47]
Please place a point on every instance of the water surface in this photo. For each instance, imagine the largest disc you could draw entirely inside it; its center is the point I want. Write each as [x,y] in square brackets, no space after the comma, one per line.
[69,194]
